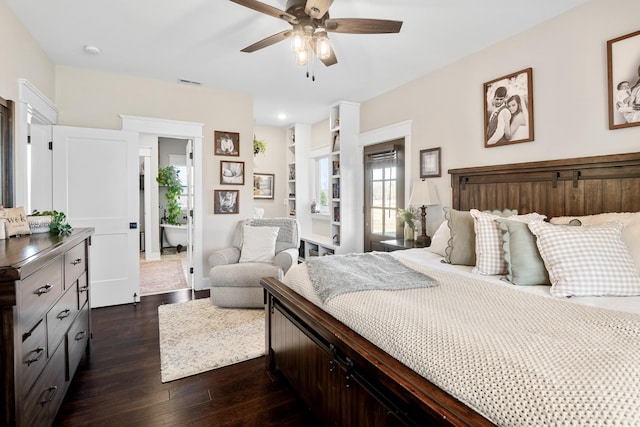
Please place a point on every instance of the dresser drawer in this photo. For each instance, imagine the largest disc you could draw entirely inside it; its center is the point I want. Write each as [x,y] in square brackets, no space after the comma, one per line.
[75,263]
[33,356]
[60,317]
[38,291]
[77,339]
[83,290]
[44,399]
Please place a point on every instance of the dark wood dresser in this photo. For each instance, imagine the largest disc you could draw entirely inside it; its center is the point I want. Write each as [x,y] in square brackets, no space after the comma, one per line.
[45,322]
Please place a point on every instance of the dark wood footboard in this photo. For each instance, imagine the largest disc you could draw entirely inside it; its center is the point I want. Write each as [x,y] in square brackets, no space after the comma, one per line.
[342,377]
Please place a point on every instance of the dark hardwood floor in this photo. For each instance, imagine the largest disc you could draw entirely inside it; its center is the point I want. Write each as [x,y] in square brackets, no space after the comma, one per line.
[119,385]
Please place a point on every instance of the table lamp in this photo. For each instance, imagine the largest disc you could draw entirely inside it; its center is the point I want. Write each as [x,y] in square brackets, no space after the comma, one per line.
[422,195]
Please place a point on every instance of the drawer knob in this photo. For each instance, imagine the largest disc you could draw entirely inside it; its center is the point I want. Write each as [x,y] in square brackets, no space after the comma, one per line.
[39,352]
[64,313]
[43,289]
[76,261]
[48,394]
[80,335]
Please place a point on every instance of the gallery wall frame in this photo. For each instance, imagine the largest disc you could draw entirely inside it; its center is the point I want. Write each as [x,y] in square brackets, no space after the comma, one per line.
[226,143]
[430,163]
[263,185]
[623,80]
[508,109]
[231,173]
[226,202]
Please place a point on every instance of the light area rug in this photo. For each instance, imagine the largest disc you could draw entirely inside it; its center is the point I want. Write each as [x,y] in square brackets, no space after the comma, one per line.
[161,276]
[196,336]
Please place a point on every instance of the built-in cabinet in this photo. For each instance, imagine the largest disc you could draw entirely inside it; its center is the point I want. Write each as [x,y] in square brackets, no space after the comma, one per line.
[291,170]
[45,322]
[342,234]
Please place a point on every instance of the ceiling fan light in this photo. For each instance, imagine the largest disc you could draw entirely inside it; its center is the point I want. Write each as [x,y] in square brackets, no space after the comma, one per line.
[302,57]
[297,39]
[323,46]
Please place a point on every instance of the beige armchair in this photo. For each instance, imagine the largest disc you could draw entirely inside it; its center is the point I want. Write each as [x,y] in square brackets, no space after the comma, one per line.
[268,248]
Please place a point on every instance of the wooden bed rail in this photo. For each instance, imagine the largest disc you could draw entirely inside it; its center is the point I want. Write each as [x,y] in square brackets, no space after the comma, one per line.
[370,387]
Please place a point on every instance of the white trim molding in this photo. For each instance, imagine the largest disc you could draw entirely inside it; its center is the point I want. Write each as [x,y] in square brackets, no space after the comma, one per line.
[181,130]
[377,136]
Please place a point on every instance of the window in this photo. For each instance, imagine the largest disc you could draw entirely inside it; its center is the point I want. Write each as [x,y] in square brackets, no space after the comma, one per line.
[321,183]
[179,161]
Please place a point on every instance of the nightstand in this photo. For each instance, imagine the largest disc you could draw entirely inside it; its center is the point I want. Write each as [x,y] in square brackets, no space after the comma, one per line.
[397,245]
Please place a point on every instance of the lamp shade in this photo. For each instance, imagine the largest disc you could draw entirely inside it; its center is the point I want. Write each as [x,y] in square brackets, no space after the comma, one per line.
[423,195]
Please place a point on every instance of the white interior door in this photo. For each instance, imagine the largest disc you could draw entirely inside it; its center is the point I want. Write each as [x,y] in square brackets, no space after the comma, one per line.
[189,191]
[95,183]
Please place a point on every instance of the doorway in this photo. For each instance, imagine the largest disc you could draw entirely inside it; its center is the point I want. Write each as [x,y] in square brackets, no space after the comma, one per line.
[383,192]
[165,265]
[149,131]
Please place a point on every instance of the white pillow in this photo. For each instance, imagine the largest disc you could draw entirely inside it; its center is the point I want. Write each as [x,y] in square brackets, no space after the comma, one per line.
[440,239]
[258,244]
[590,260]
[489,252]
[630,232]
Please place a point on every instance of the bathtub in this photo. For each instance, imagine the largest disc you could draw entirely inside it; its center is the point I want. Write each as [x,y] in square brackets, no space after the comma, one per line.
[175,236]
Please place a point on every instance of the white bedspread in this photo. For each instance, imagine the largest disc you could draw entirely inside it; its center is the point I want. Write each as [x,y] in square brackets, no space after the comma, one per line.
[516,357]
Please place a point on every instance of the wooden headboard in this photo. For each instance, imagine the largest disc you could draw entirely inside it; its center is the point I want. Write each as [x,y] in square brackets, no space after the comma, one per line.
[580,186]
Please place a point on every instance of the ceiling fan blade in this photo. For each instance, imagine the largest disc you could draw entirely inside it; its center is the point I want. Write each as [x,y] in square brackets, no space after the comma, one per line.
[331,60]
[317,8]
[362,26]
[278,37]
[268,10]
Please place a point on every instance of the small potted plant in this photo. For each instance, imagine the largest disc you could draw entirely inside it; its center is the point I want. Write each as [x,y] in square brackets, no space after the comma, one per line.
[409,217]
[259,146]
[168,178]
[58,221]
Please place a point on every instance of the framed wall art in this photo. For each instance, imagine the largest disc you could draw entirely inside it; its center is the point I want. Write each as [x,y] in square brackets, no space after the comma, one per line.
[430,163]
[623,65]
[226,143]
[508,109]
[263,185]
[226,202]
[231,173]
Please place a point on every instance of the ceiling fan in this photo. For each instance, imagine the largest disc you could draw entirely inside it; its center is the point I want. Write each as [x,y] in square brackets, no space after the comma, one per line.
[310,24]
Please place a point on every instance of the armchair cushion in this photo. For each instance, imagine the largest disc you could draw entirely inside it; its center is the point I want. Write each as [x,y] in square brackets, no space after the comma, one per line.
[224,256]
[258,244]
[285,259]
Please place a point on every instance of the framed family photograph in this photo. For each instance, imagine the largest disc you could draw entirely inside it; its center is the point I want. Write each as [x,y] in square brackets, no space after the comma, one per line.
[623,65]
[231,173]
[226,143]
[430,163]
[508,109]
[263,185]
[226,202]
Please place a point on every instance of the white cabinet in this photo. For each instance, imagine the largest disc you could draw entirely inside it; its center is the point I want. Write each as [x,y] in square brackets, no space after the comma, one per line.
[341,235]
[344,127]
[291,170]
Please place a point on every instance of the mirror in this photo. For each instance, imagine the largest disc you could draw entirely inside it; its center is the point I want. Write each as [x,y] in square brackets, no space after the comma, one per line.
[6,152]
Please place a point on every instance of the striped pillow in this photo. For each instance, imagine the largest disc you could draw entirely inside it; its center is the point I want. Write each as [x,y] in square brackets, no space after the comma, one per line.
[489,251]
[586,261]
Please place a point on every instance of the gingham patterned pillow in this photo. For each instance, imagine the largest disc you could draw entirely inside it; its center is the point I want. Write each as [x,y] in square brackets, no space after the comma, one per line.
[489,251]
[586,261]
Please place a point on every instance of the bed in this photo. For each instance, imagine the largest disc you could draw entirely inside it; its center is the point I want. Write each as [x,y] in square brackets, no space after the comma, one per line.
[346,377]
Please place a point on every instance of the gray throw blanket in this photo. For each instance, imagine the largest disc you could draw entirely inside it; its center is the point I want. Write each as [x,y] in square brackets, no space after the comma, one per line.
[338,274]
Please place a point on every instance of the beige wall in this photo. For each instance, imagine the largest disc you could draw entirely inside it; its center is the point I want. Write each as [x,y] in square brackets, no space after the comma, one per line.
[274,161]
[94,99]
[22,58]
[320,135]
[569,61]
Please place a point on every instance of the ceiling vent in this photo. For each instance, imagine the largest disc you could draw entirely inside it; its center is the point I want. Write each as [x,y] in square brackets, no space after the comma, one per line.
[189,82]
